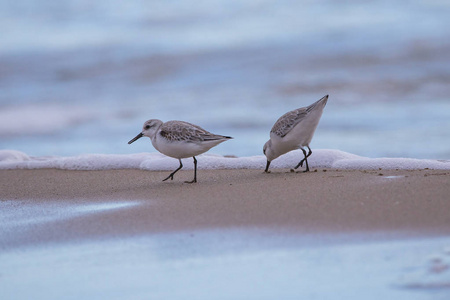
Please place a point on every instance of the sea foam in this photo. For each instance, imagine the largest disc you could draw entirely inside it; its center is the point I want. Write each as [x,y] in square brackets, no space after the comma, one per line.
[321,158]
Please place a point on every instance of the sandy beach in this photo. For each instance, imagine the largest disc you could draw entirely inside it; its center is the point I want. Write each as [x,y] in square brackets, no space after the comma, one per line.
[320,201]
[124,234]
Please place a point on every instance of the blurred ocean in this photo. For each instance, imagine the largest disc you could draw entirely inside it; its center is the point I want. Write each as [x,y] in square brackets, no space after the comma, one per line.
[80,76]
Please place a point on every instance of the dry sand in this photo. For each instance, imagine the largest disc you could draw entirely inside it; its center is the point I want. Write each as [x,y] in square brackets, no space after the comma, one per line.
[413,202]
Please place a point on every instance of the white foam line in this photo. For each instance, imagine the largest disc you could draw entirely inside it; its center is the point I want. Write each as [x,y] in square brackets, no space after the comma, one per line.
[321,158]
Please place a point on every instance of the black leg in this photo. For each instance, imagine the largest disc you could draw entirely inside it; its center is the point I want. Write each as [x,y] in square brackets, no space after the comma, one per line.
[195,171]
[309,152]
[301,162]
[173,173]
[305,159]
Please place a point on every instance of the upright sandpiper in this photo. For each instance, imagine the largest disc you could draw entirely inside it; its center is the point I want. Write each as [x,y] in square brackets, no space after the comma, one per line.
[179,139]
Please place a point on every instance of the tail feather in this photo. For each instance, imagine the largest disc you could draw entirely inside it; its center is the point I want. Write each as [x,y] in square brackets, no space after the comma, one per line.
[321,101]
[217,137]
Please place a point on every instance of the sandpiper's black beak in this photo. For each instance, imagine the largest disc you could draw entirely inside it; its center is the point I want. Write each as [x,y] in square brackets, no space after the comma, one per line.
[267,167]
[136,138]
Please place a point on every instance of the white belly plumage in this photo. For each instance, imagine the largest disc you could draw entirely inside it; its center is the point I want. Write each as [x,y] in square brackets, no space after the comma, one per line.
[183,149]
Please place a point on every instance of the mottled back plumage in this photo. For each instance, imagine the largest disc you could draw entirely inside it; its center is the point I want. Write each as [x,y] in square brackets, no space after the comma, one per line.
[290,119]
[177,131]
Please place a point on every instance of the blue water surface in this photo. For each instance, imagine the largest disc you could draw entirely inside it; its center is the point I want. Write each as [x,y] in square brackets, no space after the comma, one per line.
[82,76]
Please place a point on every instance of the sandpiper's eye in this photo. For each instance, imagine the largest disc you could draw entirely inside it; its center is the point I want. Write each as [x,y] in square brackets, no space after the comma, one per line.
[147,127]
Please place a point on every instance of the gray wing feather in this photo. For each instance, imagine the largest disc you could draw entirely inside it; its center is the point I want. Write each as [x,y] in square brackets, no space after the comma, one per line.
[184,131]
[288,121]
[291,119]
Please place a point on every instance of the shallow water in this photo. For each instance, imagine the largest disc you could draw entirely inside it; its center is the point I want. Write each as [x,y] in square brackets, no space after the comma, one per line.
[229,264]
[81,77]
[233,263]
[25,213]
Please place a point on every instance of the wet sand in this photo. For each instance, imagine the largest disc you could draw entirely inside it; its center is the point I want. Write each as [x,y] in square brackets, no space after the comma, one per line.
[125,234]
[123,203]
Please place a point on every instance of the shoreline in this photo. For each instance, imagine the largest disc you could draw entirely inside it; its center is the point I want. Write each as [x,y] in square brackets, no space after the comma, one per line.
[60,205]
[126,234]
